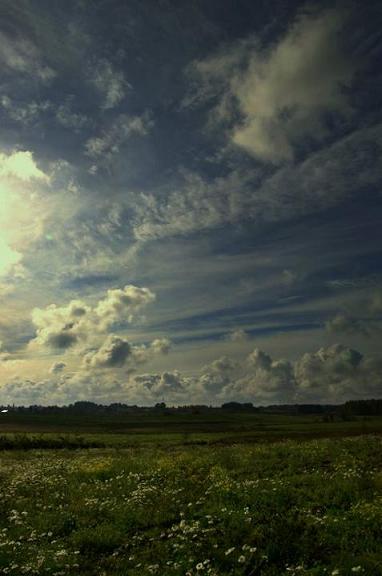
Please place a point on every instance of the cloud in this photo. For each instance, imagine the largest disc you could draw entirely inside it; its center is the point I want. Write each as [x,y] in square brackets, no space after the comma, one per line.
[116,352]
[281,92]
[263,380]
[330,375]
[363,317]
[112,354]
[4,355]
[144,389]
[259,360]
[238,335]
[105,146]
[375,305]
[84,330]
[216,375]
[122,305]
[348,324]
[222,365]
[335,373]
[57,367]
[324,179]
[25,113]
[161,345]
[110,83]
[193,204]
[289,277]
[21,215]
[27,392]
[61,327]
[19,55]
[67,117]
[20,165]
[168,386]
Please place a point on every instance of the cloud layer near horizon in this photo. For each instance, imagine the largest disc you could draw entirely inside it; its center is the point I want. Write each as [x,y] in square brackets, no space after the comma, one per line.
[334,374]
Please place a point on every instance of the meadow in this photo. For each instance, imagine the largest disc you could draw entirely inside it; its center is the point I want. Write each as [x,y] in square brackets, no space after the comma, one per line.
[236,496]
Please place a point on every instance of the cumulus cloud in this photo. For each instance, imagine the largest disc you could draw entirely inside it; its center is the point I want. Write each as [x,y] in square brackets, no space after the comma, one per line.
[263,380]
[259,360]
[330,375]
[21,216]
[116,352]
[281,92]
[168,386]
[216,375]
[61,327]
[26,392]
[20,165]
[161,345]
[222,365]
[238,335]
[105,386]
[334,373]
[84,330]
[122,305]
[113,353]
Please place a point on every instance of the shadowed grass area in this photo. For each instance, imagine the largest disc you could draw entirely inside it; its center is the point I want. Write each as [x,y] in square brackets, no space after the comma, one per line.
[34,430]
[48,441]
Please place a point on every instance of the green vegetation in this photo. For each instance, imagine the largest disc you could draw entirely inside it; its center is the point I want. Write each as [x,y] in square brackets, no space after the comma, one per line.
[184,503]
[151,427]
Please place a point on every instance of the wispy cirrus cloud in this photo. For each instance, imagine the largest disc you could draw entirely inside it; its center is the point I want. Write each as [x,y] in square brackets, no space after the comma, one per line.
[20,56]
[328,177]
[110,82]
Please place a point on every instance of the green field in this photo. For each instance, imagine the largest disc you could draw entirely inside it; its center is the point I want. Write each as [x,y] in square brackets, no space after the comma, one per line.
[234,495]
[212,427]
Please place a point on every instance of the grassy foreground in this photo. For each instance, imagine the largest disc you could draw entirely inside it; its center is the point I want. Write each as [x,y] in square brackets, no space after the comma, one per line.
[290,507]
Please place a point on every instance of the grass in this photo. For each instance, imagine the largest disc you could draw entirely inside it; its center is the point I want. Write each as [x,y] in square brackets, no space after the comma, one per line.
[129,430]
[167,504]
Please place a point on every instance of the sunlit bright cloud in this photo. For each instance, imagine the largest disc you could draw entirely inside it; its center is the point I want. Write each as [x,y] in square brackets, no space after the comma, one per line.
[20,221]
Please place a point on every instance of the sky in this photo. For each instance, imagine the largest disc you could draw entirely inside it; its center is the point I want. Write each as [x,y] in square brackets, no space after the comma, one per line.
[190,201]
